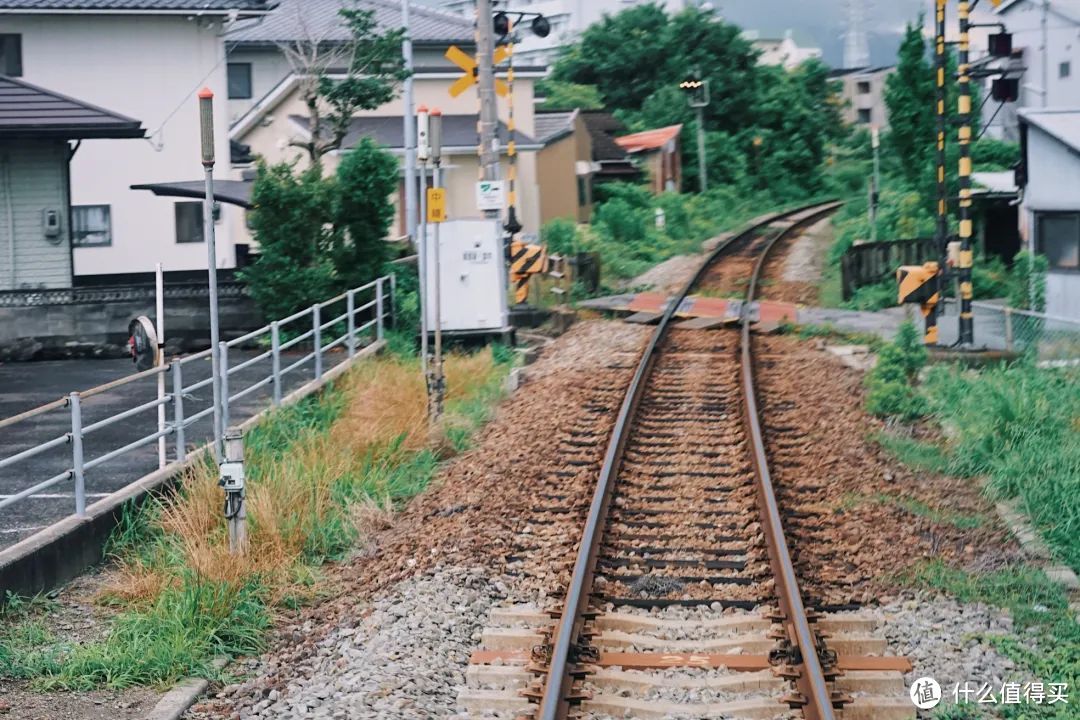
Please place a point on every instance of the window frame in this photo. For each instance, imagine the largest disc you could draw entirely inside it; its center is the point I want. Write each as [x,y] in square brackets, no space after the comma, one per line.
[16,39]
[182,206]
[1064,69]
[77,242]
[1040,245]
[229,84]
[869,116]
[860,84]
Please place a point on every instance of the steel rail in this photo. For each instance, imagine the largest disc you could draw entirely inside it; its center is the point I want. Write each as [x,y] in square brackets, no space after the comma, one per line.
[558,687]
[811,681]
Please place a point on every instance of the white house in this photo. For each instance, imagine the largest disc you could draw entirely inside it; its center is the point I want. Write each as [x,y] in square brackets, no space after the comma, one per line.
[1050,213]
[784,51]
[1046,45]
[144,59]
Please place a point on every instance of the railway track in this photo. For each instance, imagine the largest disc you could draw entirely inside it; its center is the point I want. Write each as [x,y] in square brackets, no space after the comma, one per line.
[684,600]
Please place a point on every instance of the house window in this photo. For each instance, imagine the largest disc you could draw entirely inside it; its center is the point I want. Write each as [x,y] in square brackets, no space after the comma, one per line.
[189,222]
[240,81]
[11,55]
[1065,69]
[865,116]
[582,190]
[91,225]
[863,87]
[1059,239]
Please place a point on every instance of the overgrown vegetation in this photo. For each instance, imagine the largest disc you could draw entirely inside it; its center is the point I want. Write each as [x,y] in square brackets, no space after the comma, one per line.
[321,475]
[891,384]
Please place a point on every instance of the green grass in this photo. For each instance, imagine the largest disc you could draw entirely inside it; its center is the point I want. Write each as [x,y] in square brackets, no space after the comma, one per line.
[182,621]
[1040,611]
[916,507]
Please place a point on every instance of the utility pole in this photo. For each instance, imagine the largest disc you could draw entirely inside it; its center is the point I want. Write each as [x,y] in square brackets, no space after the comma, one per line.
[967,331]
[697,91]
[941,234]
[206,128]
[410,128]
[438,382]
[489,117]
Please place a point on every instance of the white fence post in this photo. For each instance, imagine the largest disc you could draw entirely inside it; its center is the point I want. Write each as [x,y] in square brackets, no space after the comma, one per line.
[275,359]
[224,355]
[378,309]
[350,310]
[178,411]
[316,338]
[1008,329]
[77,454]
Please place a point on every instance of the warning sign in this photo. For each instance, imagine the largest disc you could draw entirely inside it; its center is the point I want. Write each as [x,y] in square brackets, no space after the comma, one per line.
[436,205]
[490,195]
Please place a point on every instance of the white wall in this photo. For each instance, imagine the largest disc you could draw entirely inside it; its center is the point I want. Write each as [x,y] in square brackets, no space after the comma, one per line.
[146,67]
[1024,21]
[1053,177]
[33,177]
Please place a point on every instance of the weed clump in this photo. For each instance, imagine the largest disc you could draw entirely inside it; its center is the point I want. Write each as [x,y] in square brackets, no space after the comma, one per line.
[891,384]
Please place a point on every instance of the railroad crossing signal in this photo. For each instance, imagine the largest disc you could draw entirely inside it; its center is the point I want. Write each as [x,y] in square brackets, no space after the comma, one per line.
[467,63]
[919,284]
[697,90]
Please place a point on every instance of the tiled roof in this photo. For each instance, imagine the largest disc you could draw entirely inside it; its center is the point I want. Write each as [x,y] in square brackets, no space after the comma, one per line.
[139,5]
[602,127]
[321,20]
[30,111]
[649,139]
[389,131]
[550,125]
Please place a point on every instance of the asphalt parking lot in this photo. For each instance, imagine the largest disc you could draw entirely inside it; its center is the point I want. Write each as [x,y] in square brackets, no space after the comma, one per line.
[24,386]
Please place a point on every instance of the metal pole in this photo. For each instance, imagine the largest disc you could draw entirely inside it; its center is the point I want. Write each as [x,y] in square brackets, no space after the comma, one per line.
[410,126]
[702,172]
[350,310]
[941,232]
[1008,328]
[393,300]
[440,380]
[316,338]
[379,309]
[1045,53]
[77,454]
[224,354]
[967,324]
[422,249]
[489,119]
[159,359]
[178,411]
[206,127]
[275,359]
[876,186]
[235,494]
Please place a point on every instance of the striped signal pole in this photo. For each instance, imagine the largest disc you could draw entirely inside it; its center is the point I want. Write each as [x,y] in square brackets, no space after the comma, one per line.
[941,235]
[967,330]
[513,226]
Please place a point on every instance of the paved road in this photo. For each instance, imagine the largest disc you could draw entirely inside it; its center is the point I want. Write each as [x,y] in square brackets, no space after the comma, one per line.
[24,386]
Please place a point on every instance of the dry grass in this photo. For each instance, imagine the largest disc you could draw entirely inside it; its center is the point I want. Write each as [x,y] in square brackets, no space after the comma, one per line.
[326,488]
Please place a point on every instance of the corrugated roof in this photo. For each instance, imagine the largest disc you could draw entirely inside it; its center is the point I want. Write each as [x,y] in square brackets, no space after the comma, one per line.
[389,131]
[139,5]
[321,20]
[30,111]
[550,125]
[1064,125]
[649,139]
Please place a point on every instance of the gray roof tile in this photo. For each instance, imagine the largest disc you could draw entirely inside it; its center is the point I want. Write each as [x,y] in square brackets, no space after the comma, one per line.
[321,20]
[29,110]
[138,5]
[389,131]
[550,125]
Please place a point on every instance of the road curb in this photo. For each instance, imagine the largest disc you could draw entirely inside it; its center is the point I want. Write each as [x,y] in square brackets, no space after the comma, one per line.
[175,703]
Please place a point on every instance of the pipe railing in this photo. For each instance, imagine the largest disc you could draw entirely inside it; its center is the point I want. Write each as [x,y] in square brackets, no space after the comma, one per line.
[368,316]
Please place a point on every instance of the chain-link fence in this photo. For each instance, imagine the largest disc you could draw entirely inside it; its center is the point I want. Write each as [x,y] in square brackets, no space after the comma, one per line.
[1048,338]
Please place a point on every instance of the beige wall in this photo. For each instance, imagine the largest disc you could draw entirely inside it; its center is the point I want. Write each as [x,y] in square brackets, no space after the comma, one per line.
[270,140]
[557,176]
[865,92]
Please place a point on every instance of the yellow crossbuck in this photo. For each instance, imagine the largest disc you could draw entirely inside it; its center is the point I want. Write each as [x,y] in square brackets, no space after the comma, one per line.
[467,63]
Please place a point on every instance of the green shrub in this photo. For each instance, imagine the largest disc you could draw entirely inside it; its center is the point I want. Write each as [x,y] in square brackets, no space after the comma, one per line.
[890,383]
[560,236]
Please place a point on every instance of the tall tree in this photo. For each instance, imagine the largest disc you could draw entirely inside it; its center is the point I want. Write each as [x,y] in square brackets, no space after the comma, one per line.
[909,96]
[339,78]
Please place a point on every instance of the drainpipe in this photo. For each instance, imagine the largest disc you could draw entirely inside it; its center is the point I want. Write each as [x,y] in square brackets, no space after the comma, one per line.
[9,208]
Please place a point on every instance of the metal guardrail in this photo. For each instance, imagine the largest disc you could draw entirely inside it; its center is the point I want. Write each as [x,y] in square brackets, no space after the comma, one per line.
[1047,338]
[357,309]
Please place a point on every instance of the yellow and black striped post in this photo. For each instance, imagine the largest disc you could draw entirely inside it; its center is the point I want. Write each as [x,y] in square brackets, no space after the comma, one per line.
[964,261]
[941,234]
[525,261]
[513,226]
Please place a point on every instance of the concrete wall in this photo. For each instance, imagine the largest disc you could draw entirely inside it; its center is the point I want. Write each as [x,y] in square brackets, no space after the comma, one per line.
[148,67]
[33,178]
[874,100]
[1053,176]
[43,332]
